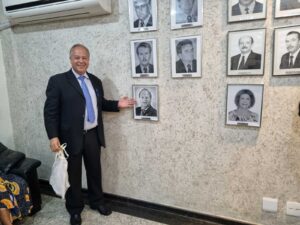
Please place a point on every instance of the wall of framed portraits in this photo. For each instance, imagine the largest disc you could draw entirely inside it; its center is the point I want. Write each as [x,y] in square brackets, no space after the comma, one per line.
[196,149]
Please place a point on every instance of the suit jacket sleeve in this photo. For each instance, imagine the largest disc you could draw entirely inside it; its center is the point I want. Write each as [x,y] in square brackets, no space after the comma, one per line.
[108,105]
[52,109]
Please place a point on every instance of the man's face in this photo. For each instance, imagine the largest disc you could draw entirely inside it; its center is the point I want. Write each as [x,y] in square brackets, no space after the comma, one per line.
[244,101]
[245,44]
[79,60]
[145,99]
[186,5]
[292,43]
[246,2]
[142,9]
[144,55]
[187,53]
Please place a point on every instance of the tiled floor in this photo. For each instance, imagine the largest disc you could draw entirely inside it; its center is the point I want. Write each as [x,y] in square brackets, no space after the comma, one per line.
[54,213]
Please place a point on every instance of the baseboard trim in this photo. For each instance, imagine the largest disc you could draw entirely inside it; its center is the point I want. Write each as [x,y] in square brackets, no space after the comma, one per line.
[152,211]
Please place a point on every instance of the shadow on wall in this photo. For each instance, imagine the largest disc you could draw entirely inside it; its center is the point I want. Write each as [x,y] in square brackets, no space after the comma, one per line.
[71,23]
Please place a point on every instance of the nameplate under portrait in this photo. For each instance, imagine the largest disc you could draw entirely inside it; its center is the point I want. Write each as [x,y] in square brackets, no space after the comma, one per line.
[143,58]
[244,10]
[286,52]
[244,104]
[246,52]
[142,15]
[287,8]
[146,107]
[186,13]
[186,56]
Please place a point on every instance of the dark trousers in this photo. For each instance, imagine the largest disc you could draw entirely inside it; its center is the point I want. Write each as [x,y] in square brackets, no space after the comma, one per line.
[91,157]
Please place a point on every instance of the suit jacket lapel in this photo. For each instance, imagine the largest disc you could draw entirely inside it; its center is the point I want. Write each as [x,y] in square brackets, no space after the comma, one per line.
[96,88]
[74,82]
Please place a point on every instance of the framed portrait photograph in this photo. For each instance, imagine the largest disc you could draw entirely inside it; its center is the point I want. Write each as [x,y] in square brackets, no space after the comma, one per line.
[246,52]
[144,58]
[142,15]
[186,13]
[286,8]
[286,51]
[146,102]
[186,56]
[243,10]
[244,104]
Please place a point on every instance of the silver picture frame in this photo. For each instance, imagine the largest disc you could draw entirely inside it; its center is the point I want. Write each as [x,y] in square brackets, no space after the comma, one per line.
[146,107]
[286,55]
[246,52]
[244,104]
[287,8]
[143,58]
[245,10]
[186,13]
[142,15]
[186,57]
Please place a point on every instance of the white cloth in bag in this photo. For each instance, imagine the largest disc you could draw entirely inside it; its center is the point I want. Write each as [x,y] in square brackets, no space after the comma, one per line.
[59,178]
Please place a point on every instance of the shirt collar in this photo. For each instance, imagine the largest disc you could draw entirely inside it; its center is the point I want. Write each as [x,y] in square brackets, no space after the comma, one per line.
[146,20]
[246,55]
[295,54]
[250,7]
[77,75]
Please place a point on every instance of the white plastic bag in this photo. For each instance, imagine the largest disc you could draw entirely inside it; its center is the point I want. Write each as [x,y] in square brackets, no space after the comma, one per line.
[59,178]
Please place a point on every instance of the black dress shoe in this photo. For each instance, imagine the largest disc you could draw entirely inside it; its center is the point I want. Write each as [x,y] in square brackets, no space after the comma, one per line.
[75,219]
[103,209]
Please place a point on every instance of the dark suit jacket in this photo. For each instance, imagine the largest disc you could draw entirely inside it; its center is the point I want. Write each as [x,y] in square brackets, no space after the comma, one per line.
[139,70]
[64,110]
[235,10]
[180,68]
[149,112]
[289,4]
[285,59]
[149,23]
[253,61]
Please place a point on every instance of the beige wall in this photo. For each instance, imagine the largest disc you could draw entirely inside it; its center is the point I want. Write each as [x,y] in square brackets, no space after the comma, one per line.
[189,158]
[6,131]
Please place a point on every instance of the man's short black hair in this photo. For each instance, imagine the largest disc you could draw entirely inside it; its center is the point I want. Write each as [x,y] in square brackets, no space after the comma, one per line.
[143,45]
[181,44]
[294,32]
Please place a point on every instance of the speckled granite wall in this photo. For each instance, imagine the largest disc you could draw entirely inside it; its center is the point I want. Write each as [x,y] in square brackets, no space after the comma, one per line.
[188,159]
[6,131]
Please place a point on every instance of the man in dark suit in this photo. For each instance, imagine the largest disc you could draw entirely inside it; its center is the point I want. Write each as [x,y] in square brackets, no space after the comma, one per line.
[291,59]
[186,62]
[73,115]
[246,7]
[247,59]
[145,109]
[143,12]
[144,54]
[289,4]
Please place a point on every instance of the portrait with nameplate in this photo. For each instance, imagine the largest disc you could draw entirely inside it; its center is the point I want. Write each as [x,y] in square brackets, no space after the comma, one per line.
[143,58]
[142,15]
[186,56]
[186,13]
